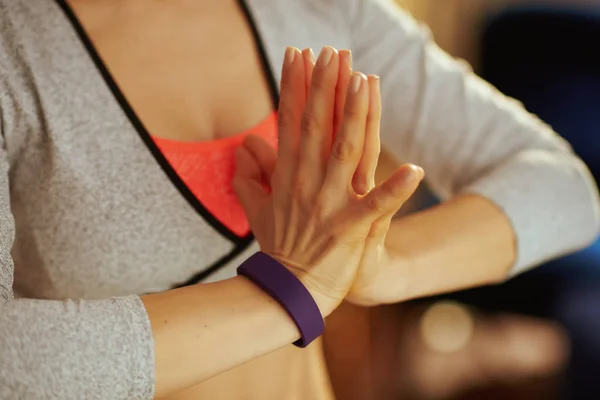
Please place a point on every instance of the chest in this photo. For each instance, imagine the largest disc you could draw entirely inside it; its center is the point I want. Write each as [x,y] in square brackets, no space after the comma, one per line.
[192,73]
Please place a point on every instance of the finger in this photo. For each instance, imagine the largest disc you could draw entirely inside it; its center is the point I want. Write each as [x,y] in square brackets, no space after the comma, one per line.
[341,90]
[364,178]
[348,144]
[309,66]
[264,155]
[292,101]
[247,182]
[317,121]
[388,197]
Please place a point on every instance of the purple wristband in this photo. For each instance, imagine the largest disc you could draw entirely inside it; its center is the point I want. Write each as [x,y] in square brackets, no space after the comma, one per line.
[286,288]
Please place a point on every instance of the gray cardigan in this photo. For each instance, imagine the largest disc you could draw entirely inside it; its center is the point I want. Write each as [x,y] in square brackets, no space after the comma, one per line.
[92,216]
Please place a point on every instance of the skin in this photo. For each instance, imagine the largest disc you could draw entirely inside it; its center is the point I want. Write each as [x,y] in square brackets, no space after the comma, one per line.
[135,39]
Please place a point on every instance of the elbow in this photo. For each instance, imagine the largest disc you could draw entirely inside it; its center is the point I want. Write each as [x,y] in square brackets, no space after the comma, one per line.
[551,200]
[574,197]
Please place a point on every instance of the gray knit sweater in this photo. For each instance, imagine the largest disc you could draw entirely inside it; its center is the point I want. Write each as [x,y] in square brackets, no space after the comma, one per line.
[91,215]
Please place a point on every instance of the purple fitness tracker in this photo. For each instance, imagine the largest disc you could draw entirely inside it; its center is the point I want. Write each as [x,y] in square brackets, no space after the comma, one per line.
[275,279]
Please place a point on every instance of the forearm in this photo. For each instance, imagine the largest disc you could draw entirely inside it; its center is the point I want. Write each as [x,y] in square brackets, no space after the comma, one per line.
[126,348]
[203,330]
[464,242]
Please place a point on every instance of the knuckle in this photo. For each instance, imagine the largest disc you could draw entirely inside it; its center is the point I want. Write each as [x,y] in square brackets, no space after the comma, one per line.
[375,203]
[309,124]
[319,81]
[284,119]
[344,150]
[354,113]
[301,187]
[299,184]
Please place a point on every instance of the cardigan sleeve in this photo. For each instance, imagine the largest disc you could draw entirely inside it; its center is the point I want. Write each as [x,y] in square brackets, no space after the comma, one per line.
[470,138]
[71,349]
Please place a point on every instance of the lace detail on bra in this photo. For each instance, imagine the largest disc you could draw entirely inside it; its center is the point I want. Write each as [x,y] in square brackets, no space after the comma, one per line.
[207,168]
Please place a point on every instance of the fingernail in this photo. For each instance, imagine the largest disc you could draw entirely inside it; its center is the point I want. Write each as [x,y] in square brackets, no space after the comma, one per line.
[311,55]
[374,83]
[419,172]
[290,56]
[348,54]
[413,172]
[325,56]
[356,82]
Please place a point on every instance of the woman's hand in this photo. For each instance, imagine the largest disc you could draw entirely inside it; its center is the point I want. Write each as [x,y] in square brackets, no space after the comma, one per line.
[376,254]
[313,220]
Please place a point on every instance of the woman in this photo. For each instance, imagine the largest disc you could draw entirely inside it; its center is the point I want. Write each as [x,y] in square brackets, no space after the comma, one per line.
[95,217]
[311,194]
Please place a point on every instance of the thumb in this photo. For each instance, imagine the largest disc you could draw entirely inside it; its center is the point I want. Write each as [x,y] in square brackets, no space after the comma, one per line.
[387,198]
[248,182]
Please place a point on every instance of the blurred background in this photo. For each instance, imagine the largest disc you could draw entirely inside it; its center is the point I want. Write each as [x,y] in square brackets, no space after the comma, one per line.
[545,53]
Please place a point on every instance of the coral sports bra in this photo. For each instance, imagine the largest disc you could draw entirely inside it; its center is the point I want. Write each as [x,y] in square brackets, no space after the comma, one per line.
[207,168]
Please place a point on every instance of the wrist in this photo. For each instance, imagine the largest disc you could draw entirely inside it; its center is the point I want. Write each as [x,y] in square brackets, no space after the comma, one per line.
[388,285]
[326,303]
[291,293]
